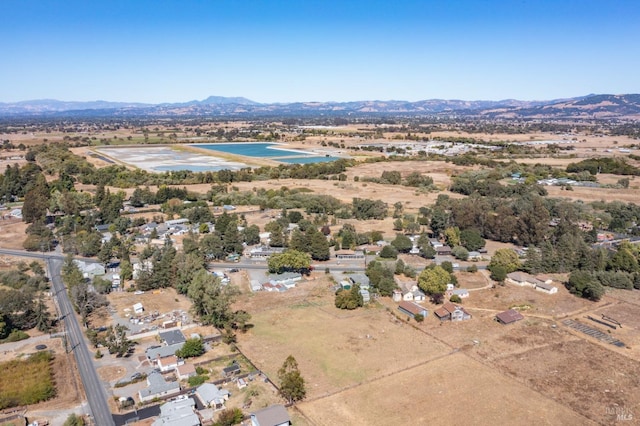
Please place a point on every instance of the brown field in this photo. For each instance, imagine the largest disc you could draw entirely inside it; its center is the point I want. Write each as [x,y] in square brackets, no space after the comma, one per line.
[335,349]
[452,389]
[583,376]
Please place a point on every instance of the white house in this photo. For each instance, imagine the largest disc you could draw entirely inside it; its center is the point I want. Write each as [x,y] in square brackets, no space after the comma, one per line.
[212,396]
[275,415]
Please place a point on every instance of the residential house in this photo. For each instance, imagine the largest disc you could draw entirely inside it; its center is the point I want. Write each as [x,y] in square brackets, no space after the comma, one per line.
[462,293]
[509,317]
[451,312]
[241,383]
[546,288]
[263,252]
[361,279]
[179,412]
[525,280]
[396,295]
[474,255]
[158,387]
[89,269]
[443,250]
[287,279]
[169,363]
[349,254]
[184,371]
[212,396]
[412,309]
[172,337]
[154,353]
[275,415]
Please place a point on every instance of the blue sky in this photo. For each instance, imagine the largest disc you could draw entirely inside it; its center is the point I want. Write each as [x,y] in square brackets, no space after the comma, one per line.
[317,50]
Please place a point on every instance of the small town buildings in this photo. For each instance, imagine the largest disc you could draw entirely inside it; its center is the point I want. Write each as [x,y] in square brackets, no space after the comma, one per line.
[412,309]
[263,252]
[509,317]
[525,280]
[349,255]
[287,279]
[158,387]
[90,270]
[396,295]
[241,383]
[179,412]
[184,371]
[275,415]
[451,312]
[546,288]
[443,250]
[211,396]
[462,293]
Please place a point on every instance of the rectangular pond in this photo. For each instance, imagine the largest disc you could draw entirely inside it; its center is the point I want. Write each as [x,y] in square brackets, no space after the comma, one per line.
[273,151]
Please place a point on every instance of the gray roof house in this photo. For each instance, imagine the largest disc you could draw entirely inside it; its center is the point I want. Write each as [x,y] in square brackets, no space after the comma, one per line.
[180,412]
[275,415]
[172,337]
[158,387]
[162,351]
[212,396]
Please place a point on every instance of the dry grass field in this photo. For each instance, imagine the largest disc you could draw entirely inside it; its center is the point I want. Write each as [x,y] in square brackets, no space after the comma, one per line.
[452,389]
[369,367]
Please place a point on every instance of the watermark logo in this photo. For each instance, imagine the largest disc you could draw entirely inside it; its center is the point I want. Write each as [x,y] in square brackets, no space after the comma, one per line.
[621,414]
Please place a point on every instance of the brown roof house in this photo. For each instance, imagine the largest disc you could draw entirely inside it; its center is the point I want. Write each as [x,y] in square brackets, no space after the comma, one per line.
[508,317]
[451,312]
[412,309]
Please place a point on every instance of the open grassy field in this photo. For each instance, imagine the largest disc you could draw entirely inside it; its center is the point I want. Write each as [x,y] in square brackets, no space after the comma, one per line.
[27,381]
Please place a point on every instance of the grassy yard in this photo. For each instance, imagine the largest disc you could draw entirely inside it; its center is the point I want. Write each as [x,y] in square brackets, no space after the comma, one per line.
[28,381]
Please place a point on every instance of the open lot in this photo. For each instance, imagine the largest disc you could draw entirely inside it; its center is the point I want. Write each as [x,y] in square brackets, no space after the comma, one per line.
[453,389]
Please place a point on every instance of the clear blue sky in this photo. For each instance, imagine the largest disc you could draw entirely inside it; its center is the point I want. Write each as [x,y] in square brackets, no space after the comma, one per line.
[317,50]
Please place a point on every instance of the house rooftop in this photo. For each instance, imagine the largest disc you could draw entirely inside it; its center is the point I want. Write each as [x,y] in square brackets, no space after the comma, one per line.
[510,316]
[411,307]
[172,337]
[157,385]
[273,415]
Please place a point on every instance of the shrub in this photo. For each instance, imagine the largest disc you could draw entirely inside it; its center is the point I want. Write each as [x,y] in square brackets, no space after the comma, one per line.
[455,299]
[418,317]
[197,380]
[472,268]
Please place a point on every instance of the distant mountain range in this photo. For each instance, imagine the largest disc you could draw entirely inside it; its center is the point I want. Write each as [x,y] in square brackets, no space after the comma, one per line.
[584,107]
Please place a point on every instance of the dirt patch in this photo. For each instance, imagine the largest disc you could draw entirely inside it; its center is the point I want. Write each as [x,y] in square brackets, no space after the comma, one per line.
[432,393]
[12,233]
[586,377]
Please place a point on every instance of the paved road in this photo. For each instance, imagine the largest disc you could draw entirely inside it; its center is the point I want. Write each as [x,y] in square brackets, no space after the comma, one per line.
[94,390]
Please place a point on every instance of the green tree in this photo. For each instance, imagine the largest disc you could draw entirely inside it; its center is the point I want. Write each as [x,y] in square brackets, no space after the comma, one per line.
[229,417]
[116,340]
[389,252]
[434,280]
[452,236]
[318,245]
[74,420]
[192,348]
[211,301]
[289,261]
[506,259]
[402,243]
[471,239]
[460,253]
[585,285]
[292,386]
[349,299]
